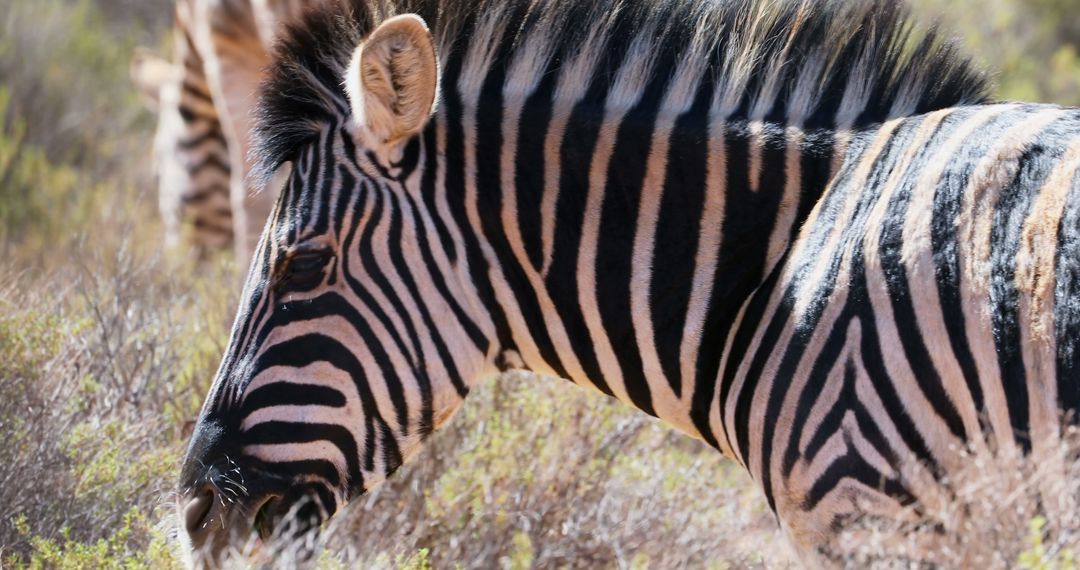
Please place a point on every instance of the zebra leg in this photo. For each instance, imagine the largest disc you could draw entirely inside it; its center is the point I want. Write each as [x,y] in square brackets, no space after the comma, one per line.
[234,70]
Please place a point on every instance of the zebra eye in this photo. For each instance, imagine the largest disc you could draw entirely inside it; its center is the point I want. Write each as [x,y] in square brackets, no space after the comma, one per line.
[307,263]
[303,270]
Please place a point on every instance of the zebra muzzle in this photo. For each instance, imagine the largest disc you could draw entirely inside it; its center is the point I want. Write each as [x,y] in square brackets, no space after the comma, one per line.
[222,527]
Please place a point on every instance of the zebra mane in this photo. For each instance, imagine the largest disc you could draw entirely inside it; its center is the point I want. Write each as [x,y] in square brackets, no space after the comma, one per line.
[835,64]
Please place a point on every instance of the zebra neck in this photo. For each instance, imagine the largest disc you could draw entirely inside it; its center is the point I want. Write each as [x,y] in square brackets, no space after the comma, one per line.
[623,251]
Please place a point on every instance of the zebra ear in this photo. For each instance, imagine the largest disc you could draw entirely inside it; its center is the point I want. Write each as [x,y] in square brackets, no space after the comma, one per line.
[393,79]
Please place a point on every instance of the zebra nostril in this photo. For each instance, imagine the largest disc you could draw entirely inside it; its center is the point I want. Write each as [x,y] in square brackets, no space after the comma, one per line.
[197,511]
[265,517]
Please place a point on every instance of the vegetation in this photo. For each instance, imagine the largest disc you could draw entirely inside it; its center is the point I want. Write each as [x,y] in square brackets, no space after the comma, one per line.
[108,344]
[1033,46]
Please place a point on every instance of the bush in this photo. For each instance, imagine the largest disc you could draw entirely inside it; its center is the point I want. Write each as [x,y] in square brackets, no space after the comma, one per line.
[73,133]
[538,473]
[1002,512]
[94,389]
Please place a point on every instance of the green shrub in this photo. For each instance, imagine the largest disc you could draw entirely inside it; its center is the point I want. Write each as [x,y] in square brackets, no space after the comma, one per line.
[94,388]
[68,74]
[113,552]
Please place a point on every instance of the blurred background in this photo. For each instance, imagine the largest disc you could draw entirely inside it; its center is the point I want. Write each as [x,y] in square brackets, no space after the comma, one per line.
[108,343]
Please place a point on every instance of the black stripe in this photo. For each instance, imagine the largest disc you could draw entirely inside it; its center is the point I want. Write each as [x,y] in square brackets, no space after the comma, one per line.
[254,311]
[203,225]
[332,304]
[854,467]
[310,191]
[878,374]
[327,305]
[192,60]
[832,423]
[816,173]
[258,301]
[309,349]
[391,454]
[366,248]
[327,173]
[454,154]
[205,193]
[301,469]
[326,496]
[741,261]
[890,252]
[417,365]
[405,275]
[853,230]
[675,251]
[618,228]
[195,140]
[1039,158]
[348,192]
[576,151]
[944,242]
[196,89]
[211,162]
[489,147]
[410,159]
[529,164]
[191,115]
[1067,305]
[428,190]
[289,394]
[823,370]
[274,433]
[473,331]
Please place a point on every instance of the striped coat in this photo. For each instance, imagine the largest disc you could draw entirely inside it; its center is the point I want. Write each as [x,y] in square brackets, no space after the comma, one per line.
[796,231]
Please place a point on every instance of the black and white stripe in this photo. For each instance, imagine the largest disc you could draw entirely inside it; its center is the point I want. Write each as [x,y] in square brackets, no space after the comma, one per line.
[794,230]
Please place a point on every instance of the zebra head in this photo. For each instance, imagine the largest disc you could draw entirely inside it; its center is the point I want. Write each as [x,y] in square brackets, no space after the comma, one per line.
[355,338]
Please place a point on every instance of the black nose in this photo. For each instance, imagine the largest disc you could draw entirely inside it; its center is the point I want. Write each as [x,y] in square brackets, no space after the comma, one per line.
[197,511]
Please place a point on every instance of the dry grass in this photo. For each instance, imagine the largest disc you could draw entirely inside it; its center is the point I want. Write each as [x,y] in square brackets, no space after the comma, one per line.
[538,473]
[1001,512]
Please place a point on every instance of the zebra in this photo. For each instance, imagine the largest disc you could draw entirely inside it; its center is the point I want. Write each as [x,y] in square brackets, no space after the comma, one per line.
[799,231]
[204,102]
